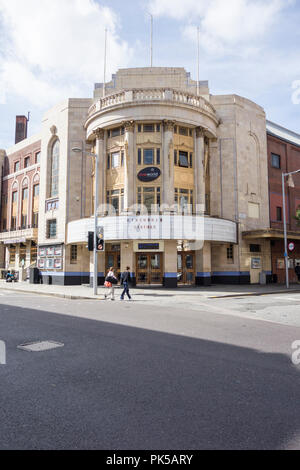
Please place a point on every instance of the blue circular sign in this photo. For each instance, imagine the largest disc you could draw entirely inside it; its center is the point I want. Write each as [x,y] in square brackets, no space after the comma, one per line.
[149,174]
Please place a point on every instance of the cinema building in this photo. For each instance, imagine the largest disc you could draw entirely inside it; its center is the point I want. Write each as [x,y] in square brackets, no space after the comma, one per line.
[182,178]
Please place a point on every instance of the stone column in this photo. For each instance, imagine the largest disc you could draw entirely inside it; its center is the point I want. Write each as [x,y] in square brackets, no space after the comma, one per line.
[170,263]
[168,164]
[203,265]
[199,171]
[100,151]
[128,259]
[129,166]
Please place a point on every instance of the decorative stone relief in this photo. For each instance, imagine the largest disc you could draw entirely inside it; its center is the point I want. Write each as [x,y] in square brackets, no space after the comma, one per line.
[129,126]
[169,125]
[99,134]
[200,132]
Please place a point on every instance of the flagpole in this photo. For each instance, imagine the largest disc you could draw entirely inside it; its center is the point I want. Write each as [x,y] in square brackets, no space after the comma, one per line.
[151,42]
[198,61]
[104,72]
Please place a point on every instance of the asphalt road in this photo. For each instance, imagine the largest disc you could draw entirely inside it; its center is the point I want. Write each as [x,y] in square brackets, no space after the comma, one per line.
[144,376]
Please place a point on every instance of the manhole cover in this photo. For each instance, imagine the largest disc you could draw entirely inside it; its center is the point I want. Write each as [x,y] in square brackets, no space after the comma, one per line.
[38,346]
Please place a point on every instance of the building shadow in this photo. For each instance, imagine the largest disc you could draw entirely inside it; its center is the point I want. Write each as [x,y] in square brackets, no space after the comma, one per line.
[116,387]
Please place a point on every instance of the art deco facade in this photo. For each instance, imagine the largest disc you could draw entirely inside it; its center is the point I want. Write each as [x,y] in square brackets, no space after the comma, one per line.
[161,147]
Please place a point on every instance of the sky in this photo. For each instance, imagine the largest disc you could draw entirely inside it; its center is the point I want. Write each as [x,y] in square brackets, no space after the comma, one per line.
[51,50]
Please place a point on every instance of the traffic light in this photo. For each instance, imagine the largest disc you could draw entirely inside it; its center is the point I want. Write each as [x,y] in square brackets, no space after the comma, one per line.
[91,241]
[100,239]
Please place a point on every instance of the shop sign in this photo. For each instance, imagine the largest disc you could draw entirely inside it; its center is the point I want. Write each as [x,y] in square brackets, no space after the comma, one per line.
[149,174]
[291,246]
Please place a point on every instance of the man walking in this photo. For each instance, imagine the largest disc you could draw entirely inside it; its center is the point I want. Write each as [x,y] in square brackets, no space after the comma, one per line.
[125,280]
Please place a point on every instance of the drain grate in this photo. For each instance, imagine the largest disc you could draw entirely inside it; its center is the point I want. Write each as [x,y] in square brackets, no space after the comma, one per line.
[39,346]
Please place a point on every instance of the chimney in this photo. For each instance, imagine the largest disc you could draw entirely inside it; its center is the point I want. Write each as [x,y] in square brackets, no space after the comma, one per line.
[21,128]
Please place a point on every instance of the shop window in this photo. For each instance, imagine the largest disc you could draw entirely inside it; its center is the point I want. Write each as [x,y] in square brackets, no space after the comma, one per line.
[51,228]
[149,157]
[33,252]
[275,161]
[22,255]
[12,254]
[27,162]
[74,254]
[279,214]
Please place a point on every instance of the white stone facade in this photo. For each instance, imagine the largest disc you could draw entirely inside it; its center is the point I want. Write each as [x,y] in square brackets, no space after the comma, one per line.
[209,153]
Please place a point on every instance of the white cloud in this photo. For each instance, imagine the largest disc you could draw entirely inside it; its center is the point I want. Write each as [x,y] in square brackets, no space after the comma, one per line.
[224,26]
[54,49]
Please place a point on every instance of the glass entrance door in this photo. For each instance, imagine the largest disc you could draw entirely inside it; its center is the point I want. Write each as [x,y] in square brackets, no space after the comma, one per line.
[113,260]
[186,268]
[149,268]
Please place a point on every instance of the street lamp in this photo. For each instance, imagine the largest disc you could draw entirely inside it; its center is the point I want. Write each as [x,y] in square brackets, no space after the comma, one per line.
[94,155]
[286,255]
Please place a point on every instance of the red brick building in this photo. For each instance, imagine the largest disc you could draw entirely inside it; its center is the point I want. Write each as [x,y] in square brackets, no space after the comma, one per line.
[283,157]
[20,205]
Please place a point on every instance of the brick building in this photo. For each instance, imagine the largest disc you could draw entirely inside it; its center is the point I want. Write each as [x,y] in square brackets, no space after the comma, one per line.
[20,205]
[283,156]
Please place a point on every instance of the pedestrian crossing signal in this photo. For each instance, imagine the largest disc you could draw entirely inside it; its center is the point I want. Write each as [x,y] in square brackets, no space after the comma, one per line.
[100,239]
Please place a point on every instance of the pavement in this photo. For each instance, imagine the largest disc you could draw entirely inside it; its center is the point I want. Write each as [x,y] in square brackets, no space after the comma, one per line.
[148,374]
[85,292]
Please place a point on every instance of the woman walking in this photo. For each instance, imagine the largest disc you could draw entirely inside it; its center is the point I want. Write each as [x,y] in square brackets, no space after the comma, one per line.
[110,282]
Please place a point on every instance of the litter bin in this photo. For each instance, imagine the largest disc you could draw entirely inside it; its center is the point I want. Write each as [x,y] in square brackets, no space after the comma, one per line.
[262,278]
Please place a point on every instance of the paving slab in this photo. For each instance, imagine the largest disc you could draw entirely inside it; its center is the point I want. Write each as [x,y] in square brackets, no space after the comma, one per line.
[146,293]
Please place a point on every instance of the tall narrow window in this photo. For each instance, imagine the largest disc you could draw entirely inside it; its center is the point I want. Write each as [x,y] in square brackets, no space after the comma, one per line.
[54,175]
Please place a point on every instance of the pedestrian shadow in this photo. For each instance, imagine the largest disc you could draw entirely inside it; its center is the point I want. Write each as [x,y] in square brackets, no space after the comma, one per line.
[121,387]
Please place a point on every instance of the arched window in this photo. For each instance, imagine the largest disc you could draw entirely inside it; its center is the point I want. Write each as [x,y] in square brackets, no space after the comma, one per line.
[54,170]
